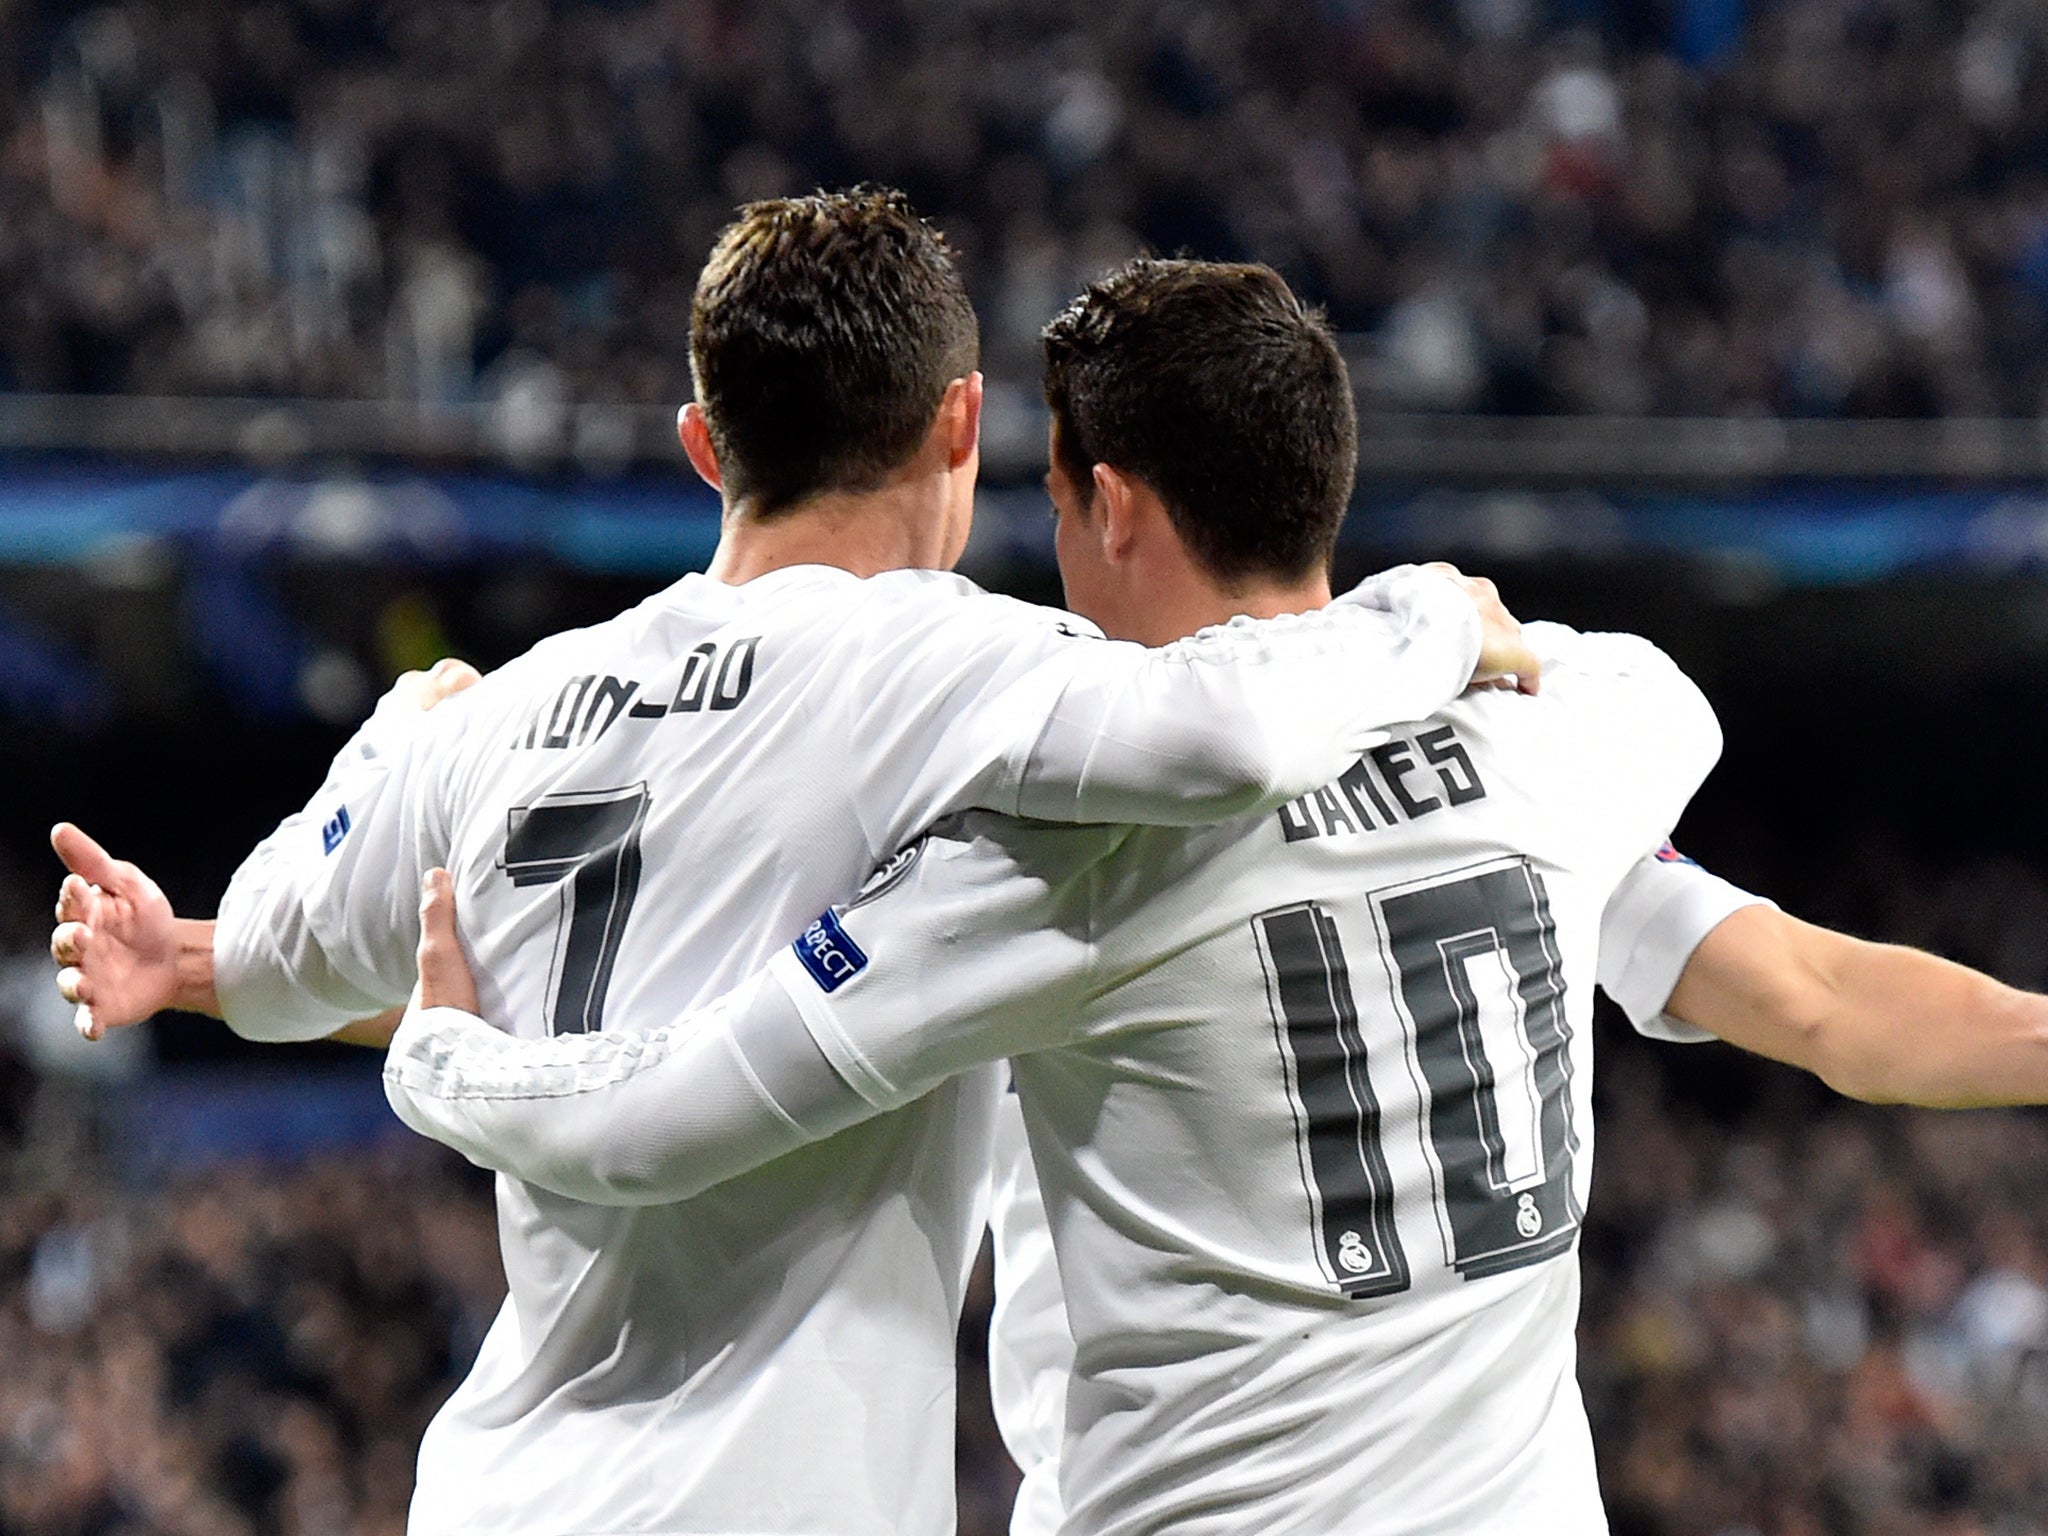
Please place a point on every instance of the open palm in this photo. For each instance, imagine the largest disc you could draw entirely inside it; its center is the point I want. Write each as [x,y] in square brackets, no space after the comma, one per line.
[116,937]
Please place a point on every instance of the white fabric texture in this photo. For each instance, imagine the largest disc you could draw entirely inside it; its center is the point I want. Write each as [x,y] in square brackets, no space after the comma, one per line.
[1657,918]
[600,1106]
[635,816]
[1268,1337]
[1030,1342]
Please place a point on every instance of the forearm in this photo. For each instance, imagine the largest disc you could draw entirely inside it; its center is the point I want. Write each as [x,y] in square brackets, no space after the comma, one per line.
[193,957]
[1912,1028]
[796,1053]
[621,1119]
[1875,1021]
[193,990]
[1245,717]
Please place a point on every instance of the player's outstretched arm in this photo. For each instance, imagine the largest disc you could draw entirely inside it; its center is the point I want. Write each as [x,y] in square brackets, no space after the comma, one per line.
[1874,1021]
[123,954]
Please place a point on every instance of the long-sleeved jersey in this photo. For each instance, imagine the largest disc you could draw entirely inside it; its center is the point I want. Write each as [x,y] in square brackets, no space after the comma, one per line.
[1308,1094]
[1654,921]
[635,815]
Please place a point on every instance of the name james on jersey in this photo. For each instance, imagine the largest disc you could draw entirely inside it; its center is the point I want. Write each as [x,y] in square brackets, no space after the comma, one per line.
[1387,777]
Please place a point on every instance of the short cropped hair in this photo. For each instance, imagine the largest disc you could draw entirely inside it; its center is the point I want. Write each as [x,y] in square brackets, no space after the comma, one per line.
[823,334]
[1217,387]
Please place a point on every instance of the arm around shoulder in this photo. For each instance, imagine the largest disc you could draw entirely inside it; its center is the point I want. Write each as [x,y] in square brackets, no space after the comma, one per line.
[1245,716]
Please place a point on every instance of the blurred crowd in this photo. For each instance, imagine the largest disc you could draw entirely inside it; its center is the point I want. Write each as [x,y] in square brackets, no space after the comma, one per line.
[249,1351]
[1823,1320]
[1804,207]
[1802,1317]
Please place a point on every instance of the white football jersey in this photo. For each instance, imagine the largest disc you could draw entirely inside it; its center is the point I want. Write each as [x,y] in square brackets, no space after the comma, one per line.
[636,815]
[1308,1095]
[1654,921]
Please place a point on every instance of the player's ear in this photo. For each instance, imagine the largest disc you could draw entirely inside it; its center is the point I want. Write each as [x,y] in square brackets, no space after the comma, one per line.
[1123,502]
[960,419]
[695,431]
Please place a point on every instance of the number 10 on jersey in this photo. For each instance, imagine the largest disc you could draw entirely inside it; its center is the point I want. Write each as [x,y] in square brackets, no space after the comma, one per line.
[1483,1042]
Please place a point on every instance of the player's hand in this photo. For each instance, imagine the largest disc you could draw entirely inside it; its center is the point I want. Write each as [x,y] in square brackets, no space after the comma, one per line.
[423,690]
[445,979]
[1504,657]
[115,940]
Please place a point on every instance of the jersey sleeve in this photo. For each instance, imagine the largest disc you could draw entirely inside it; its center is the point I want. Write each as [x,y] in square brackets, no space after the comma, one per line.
[1656,918]
[979,948]
[1030,1341]
[1031,716]
[966,952]
[629,1118]
[320,924]
[1625,739]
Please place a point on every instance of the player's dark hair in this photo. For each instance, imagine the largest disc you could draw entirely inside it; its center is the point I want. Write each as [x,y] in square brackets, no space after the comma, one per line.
[823,334]
[1217,387]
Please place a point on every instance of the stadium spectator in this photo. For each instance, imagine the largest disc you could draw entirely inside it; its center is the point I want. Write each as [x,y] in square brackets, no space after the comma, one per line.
[1805,208]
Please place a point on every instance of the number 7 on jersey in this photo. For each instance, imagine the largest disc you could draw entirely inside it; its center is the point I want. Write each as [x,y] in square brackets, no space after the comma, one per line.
[591,839]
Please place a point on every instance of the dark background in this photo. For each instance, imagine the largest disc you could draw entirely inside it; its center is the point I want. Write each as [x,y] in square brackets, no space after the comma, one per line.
[338,335]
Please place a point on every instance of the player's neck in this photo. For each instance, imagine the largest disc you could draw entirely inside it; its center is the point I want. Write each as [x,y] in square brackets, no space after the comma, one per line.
[904,525]
[1176,610]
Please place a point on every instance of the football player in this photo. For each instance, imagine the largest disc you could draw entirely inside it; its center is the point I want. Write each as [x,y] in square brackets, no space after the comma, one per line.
[639,812]
[1307,1092]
